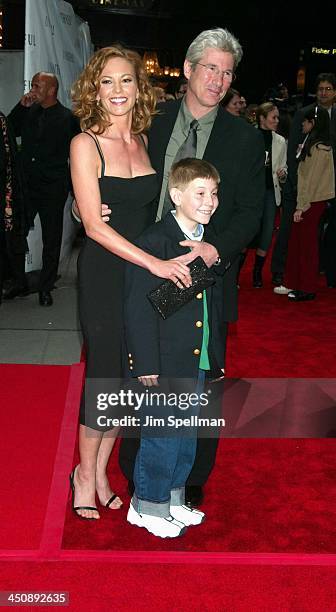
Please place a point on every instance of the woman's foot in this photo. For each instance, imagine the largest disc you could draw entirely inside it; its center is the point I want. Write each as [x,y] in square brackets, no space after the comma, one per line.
[105,494]
[83,495]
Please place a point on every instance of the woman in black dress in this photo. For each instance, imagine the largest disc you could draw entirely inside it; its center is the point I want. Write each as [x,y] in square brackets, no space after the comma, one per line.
[109,163]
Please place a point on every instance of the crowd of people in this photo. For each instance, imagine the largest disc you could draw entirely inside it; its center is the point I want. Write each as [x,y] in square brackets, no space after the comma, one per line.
[159,183]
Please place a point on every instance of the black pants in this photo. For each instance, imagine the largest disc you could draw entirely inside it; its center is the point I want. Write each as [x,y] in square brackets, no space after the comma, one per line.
[51,216]
[12,258]
[279,255]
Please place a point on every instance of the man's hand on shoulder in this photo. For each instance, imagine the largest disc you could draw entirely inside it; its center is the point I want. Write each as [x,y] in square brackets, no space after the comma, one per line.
[205,250]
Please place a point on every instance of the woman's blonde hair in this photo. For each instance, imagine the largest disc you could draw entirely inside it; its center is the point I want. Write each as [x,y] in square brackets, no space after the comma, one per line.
[85,89]
[263,110]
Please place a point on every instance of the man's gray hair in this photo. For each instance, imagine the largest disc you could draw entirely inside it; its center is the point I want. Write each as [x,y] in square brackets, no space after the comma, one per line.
[214,39]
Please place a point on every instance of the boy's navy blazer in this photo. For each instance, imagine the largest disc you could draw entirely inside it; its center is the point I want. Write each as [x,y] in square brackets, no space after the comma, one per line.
[237,150]
[166,347]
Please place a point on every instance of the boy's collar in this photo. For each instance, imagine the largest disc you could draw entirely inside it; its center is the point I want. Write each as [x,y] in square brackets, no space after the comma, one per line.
[196,235]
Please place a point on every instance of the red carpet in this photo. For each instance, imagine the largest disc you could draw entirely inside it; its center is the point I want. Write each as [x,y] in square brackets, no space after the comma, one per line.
[104,587]
[269,542]
[288,483]
[38,426]
[33,399]
[275,337]
[263,496]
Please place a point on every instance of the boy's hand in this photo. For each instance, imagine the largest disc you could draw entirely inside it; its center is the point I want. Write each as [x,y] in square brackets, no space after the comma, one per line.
[149,381]
[199,249]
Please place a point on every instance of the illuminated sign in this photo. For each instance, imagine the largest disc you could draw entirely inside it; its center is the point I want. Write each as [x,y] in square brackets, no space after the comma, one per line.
[321,51]
[123,4]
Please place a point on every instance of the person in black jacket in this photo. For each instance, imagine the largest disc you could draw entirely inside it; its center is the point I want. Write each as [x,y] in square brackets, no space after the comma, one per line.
[46,128]
[13,217]
[173,356]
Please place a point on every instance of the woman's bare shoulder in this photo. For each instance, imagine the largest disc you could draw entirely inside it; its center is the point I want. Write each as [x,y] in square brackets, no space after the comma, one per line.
[84,143]
[83,137]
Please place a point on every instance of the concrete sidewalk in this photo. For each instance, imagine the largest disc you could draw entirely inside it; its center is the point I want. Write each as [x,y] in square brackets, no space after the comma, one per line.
[30,333]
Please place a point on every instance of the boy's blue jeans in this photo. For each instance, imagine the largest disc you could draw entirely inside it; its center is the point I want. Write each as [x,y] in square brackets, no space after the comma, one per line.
[163,465]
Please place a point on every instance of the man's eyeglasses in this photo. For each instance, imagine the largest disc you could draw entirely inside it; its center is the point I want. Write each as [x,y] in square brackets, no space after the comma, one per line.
[211,70]
[325,88]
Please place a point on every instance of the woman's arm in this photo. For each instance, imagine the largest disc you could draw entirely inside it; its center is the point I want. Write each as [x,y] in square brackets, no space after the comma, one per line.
[84,174]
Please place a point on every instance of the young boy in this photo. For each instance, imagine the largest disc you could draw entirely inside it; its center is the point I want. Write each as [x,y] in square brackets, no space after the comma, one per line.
[172,354]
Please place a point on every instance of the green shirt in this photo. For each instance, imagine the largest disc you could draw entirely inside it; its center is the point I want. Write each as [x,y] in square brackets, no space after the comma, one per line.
[204,363]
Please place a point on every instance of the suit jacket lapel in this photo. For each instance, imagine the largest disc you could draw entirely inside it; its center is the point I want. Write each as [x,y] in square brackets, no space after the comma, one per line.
[217,137]
[173,230]
[160,133]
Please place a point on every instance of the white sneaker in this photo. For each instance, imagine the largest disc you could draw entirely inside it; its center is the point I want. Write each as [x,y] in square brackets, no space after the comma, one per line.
[158,526]
[188,516]
[281,290]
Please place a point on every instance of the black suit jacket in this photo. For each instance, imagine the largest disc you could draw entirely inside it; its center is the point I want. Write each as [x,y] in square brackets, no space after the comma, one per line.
[46,136]
[237,151]
[166,347]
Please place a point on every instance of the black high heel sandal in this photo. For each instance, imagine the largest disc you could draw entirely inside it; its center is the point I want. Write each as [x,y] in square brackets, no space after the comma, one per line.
[75,508]
[111,500]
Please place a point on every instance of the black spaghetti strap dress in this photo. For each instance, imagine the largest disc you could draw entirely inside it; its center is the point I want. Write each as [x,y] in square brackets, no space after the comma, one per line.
[101,278]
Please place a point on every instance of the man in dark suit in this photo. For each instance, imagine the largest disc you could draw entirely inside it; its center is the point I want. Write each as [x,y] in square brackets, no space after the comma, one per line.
[237,151]
[325,97]
[46,128]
